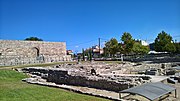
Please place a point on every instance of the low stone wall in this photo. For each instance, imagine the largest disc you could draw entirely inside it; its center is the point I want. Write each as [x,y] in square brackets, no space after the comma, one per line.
[155,59]
[61,77]
[80,78]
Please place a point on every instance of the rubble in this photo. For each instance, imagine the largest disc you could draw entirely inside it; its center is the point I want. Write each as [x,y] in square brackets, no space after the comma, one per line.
[96,75]
[99,76]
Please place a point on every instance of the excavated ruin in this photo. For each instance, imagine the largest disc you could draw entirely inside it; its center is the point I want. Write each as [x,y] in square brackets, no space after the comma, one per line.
[100,76]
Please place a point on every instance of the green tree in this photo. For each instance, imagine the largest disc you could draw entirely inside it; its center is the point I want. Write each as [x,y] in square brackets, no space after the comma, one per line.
[145,49]
[138,48]
[33,39]
[163,43]
[111,47]
[169,47]
[107,48]
[83,53]
[120,48]
[128,42]
[151,46]
[90,54]
[126,37]
[177,45]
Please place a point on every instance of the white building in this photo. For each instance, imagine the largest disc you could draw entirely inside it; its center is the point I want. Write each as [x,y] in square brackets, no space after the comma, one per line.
[144,43]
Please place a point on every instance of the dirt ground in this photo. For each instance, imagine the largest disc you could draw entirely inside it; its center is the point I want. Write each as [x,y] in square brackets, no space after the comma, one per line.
[172,96]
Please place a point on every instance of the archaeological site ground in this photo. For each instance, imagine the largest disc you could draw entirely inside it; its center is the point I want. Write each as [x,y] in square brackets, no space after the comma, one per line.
[89,50]
[42,71]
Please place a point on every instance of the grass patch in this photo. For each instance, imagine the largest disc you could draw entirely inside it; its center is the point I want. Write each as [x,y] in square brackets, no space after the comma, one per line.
[13,89]
[52,64]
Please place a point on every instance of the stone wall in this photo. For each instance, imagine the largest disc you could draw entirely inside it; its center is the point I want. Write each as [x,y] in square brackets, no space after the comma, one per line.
[13,52]
[62,77]
[79,78]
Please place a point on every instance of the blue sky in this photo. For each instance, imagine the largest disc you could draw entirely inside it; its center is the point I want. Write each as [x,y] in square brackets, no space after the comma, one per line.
[80,23]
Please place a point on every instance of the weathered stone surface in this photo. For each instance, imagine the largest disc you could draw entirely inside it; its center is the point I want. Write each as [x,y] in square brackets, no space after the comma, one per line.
[80,77]
[84,90]
[13,52]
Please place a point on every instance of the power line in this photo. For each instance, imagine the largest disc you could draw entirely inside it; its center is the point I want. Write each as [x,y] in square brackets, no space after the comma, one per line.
[104,39]
[82,43]
[176,36]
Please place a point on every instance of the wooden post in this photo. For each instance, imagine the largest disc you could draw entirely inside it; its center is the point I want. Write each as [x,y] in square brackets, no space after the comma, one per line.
[175,93]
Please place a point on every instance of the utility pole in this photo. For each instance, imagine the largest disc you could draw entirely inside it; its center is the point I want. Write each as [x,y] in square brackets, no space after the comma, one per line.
[99,47]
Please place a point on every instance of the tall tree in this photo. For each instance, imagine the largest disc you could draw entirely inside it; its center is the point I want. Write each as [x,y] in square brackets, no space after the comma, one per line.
[128,42]
[138,48]
[83,53]
[164,43]
[111,47]
[107,48]
[151,46]
[126,37]
[90,54]
[170,47]
[33,39]
[177,45]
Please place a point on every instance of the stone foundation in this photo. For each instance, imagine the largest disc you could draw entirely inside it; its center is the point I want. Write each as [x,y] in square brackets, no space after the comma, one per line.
[81,78]
[62,77]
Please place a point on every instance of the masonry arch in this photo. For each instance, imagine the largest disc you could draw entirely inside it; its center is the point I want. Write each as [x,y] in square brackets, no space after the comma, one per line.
[35,51]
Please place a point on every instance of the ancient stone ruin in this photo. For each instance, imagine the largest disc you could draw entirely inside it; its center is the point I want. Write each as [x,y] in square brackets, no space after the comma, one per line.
[99,78]
[14,52]
[81,75]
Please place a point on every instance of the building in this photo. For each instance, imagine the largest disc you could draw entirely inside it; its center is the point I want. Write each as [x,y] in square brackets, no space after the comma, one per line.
[144,43]
[96,51]
[69,52]
[14,52]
